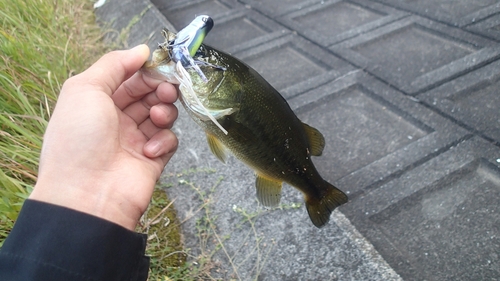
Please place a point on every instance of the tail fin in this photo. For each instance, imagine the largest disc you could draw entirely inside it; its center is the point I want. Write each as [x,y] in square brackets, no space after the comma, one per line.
[320,209]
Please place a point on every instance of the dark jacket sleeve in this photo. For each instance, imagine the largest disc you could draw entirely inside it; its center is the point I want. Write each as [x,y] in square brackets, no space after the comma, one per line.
[50,242]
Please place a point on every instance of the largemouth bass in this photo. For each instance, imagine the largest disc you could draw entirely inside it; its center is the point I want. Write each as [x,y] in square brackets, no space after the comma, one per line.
[242,113]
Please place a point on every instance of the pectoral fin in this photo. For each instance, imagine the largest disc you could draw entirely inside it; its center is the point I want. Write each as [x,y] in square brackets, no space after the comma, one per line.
[217,148]
[316,140]
[268,191]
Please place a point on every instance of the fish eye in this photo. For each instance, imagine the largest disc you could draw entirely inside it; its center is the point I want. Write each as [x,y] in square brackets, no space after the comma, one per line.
[200,52]
[204,19]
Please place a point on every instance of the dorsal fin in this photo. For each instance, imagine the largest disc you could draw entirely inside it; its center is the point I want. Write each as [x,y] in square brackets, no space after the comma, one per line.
[316,140]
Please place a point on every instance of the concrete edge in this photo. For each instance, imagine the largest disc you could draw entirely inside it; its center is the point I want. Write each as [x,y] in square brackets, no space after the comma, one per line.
[365,246]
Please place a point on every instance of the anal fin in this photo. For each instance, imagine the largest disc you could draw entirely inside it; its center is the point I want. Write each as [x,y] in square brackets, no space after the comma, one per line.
[217,148]
[268,191]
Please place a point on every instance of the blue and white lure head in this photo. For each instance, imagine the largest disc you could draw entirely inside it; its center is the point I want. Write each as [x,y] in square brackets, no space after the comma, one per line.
[193,35]
[189,40]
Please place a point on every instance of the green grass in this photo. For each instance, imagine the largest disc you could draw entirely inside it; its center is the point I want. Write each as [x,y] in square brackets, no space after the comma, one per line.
[42,43]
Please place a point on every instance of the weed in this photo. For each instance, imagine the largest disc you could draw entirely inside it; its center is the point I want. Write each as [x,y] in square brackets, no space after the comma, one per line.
[164,246]
[124,33]
[213,244]
[251,218]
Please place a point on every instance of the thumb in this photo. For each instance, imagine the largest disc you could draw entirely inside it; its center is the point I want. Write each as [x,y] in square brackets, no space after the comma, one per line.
[112,69]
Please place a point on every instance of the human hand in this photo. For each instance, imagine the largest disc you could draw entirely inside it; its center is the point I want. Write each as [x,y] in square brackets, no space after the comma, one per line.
[108,139]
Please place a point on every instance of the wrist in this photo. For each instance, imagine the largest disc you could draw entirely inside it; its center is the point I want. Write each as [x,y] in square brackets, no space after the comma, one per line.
[101,202]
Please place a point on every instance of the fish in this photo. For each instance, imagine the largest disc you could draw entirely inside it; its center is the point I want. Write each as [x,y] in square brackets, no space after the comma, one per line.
[242,114]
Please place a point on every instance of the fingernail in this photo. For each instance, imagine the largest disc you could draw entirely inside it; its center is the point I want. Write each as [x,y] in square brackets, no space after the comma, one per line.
[143,49]
[154,147]
[140,46]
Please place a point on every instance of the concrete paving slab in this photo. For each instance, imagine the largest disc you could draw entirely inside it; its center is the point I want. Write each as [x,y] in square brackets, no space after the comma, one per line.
[416,54]
[456,12]
[181,13]
[372,131]
[489,27]
[340,20]
[291,63]
[161,5]
[472,99]
[443,226]
[139,19]
[274,8]
[240,29]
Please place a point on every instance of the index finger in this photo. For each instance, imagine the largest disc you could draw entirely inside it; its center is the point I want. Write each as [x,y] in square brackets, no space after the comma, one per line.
[134,89]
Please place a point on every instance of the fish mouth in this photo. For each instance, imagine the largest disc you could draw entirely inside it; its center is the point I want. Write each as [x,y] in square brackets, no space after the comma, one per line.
[175,56]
